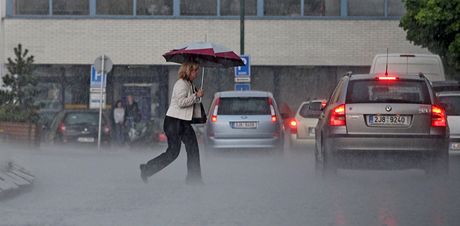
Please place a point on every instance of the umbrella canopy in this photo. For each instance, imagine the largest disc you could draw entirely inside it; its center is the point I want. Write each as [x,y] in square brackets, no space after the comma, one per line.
[206,54]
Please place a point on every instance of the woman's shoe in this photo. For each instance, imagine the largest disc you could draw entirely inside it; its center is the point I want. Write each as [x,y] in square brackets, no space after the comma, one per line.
[143,175]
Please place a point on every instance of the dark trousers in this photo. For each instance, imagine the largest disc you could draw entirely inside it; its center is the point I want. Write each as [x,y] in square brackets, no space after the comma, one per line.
[176,131]
[120,133]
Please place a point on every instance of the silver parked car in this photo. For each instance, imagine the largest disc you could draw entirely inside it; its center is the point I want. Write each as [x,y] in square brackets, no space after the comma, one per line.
[244,119]
[451,102]
[378,121]
[302,126]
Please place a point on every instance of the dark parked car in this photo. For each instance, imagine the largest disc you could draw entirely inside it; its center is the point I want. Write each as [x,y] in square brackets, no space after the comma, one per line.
[79,126]
[378,121]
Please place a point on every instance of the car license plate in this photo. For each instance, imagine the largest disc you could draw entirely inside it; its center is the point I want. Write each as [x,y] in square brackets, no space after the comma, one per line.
[86,139]
[388,120]
[244,125]
[455,146]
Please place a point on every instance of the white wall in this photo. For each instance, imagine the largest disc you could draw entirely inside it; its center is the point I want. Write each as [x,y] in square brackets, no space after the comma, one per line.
[269,42]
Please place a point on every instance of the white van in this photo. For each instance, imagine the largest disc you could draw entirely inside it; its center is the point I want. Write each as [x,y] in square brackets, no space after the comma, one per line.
[403,64]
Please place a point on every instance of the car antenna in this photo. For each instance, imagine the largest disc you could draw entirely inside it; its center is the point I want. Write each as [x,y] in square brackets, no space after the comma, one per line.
[386,65]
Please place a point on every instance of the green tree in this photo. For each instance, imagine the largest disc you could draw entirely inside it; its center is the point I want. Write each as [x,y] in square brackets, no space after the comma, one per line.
[19,88]
[435,24]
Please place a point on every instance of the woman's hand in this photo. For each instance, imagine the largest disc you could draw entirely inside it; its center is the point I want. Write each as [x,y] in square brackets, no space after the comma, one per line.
[200,93]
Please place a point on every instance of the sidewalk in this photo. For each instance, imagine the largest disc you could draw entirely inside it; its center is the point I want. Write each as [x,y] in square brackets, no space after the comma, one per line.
[14,179]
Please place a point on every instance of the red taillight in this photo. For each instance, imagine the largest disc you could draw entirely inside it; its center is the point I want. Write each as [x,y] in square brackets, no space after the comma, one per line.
[293,126]
[438,116]
[162,137]
[272,110]
[323,104]
[338,116]
[214,112]
[61,127]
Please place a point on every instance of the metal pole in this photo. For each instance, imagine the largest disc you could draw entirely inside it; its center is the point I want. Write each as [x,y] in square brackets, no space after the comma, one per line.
[100,106]
[242,9]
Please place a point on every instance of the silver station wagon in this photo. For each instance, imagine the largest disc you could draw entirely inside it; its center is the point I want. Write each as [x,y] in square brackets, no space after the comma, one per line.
[244,119]
[382,121]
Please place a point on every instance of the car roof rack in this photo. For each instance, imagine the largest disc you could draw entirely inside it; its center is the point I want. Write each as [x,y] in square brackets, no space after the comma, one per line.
[348,74]
[421,75]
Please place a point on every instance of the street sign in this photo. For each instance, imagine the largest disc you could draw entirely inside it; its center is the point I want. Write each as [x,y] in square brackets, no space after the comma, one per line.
[246,69]
[242,86]
[96,79]
[107,67]
[95,99]
[243,73]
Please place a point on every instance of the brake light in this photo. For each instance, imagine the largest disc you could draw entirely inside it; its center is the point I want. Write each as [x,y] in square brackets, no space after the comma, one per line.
[338,116]
[387,78]
[438,116]
[61,127]
[161,137]
[293,126]
[323,104]
[272,110]
[214,113]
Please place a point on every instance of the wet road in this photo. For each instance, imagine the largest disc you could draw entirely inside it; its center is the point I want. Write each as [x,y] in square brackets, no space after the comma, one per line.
[86,187]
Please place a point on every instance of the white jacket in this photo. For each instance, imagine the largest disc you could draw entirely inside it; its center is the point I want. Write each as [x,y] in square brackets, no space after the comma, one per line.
[182,101]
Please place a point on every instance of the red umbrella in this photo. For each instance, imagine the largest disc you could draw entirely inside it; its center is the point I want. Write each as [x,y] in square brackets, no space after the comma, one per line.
[206,54]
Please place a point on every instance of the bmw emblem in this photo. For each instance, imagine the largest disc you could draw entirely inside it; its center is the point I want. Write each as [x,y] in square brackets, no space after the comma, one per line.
[388,108]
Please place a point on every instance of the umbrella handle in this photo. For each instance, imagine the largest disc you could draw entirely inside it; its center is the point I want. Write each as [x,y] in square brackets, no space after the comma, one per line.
[202,78]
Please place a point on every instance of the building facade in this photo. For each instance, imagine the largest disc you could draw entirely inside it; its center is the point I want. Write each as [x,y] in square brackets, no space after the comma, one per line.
[298,48]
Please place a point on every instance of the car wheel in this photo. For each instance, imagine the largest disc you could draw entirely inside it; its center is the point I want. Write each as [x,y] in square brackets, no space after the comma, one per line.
[439,164]
[325,160]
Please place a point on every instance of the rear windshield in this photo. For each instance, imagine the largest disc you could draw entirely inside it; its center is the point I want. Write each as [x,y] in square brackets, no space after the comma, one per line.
[311,110]
[400,91]
[244,106]
[91,118]
[451,103]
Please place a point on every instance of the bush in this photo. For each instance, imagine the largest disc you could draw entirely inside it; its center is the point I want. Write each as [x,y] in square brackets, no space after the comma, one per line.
[12,113]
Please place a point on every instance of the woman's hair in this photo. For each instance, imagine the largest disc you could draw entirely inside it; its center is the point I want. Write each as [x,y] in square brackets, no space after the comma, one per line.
[118,102]
[186,69]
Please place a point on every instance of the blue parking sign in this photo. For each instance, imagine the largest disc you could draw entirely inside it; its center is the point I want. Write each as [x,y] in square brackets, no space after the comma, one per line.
[96,79]
[242,86]
[246,69]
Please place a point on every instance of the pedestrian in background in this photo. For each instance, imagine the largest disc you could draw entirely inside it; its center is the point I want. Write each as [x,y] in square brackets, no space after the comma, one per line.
[177,126]
[119,120]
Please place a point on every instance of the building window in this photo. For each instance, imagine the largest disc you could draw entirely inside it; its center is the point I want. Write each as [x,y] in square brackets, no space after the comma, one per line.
[321,7]
[154,7]
[198,7]
[31,7]
[366,7]
[70,7]
[396,8]
[282,8]
[232,7]
[114,7]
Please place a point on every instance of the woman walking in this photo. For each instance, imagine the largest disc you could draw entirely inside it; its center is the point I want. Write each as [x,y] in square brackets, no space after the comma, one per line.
[177,126]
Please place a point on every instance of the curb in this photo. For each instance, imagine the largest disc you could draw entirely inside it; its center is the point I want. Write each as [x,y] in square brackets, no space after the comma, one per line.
[14,179]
